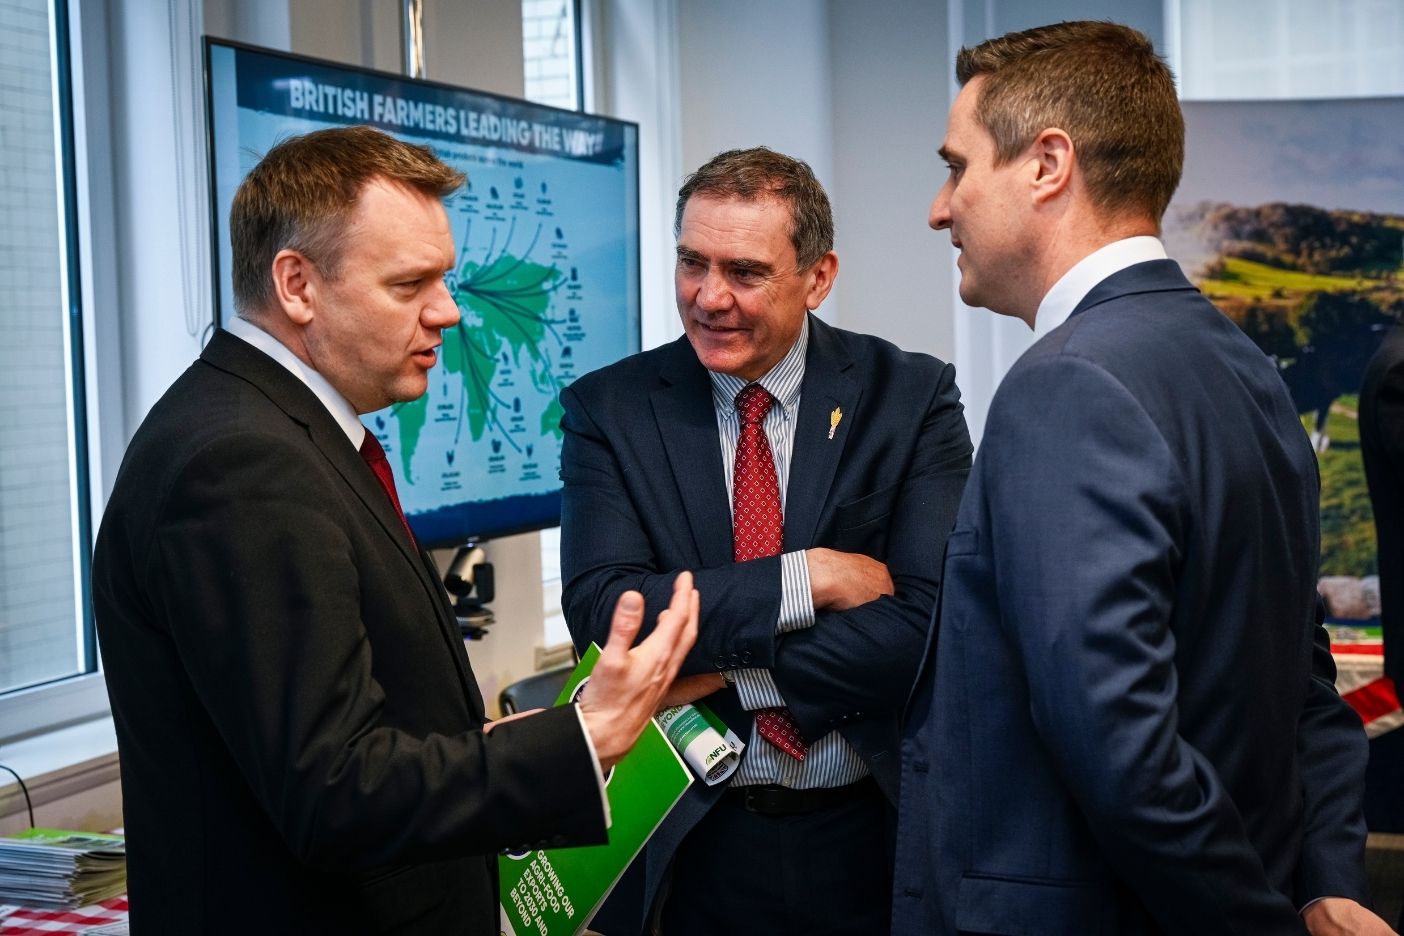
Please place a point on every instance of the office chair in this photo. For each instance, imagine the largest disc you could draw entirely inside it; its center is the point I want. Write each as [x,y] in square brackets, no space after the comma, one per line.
[539,690]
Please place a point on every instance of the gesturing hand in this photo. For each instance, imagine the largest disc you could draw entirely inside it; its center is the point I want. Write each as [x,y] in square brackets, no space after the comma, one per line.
[628,682]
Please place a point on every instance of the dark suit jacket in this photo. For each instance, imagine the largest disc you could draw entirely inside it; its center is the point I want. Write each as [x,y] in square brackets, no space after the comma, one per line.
[1382,448]
[297,721]
[1132,727]
[645,497]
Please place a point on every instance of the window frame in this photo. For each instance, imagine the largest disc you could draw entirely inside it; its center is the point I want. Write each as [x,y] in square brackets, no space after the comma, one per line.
[37,708]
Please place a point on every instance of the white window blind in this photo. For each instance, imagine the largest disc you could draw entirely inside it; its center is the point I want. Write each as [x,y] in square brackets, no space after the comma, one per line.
[44,635]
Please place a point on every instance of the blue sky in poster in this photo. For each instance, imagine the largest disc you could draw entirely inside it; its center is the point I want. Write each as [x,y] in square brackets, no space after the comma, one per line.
[1332,154]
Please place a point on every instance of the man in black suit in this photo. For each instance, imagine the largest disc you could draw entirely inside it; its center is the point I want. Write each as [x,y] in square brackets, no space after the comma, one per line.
[817,584]
[1128,723]
[1382,449]
[301,736]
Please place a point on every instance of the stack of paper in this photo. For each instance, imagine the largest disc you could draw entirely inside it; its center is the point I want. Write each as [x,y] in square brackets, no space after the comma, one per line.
[60,870]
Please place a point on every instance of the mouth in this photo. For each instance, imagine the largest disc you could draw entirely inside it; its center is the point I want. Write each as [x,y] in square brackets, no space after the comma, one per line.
[426,358]
[718,329]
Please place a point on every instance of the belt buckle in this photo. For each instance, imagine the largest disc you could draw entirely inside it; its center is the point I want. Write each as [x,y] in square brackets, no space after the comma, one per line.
[751,799]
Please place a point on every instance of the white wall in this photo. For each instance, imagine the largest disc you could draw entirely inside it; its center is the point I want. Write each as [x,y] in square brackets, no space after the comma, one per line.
[758,74]
[634,73]
[891,93]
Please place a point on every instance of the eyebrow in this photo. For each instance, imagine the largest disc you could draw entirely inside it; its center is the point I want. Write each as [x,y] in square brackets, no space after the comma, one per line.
[739,265]
[750,266]
[947,153]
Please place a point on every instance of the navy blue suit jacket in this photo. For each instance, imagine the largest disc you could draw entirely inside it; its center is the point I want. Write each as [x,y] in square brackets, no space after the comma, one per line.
[645,497]
[1132,726]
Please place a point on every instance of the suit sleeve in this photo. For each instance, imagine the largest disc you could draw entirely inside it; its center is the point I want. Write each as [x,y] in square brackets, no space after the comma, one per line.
[1333,752]
[264,589]
[1086,514]
[606,550]
[863,661]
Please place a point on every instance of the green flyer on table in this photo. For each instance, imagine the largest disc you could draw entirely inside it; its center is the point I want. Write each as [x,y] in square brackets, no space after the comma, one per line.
[555,892]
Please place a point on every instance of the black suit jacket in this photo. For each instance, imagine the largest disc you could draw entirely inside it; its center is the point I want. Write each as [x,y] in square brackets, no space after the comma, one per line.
[1382,448]
[645,497]
[297,721]
[1128,723]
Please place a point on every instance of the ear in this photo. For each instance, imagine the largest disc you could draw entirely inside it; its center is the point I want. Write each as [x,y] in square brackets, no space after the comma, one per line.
[1054,160]
[821,280]
[295,283]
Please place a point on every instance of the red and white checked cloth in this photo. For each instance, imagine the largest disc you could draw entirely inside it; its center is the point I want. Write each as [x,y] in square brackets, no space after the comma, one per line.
[25,921]
[1361,682]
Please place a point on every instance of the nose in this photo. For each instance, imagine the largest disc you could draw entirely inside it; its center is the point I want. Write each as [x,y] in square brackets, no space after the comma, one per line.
[940,217]
[441,311]
[713,295]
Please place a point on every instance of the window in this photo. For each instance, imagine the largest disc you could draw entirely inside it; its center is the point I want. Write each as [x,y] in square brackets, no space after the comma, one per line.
[1270,49]
[46,630]
[551,53]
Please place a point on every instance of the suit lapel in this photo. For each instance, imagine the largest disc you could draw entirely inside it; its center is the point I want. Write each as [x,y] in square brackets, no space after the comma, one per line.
[815,459]
[301,405]
[687,424]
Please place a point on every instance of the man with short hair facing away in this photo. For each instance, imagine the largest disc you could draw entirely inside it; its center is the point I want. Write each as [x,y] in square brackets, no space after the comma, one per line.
[1126,723]
[809,475]
[303,744]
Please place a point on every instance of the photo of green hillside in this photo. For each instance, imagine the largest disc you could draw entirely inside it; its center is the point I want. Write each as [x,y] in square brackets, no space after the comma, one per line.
[1315,289]
[1290,218]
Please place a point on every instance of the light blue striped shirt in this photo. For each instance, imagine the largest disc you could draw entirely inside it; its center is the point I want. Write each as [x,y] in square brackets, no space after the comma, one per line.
[831,761]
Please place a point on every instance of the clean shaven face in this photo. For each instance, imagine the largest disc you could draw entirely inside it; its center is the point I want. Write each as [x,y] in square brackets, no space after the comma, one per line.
[741,299]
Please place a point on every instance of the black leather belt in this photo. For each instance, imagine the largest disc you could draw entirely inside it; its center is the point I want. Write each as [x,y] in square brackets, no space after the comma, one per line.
[773,800]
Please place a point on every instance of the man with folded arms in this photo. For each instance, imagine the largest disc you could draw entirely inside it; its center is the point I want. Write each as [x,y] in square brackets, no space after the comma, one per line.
[809,475]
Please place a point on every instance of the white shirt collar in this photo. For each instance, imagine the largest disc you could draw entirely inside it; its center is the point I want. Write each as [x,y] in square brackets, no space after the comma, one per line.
[1075,284]
[339,407]
[782,381]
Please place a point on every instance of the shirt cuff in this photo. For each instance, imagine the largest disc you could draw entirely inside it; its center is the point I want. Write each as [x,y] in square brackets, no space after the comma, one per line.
[757,689]
[595,762]
[796,602]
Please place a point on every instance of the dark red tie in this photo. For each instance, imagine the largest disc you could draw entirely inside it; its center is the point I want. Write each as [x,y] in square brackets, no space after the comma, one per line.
[374,455]
[758,530]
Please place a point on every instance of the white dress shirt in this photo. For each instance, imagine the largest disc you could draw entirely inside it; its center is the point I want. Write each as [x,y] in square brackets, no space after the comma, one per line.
[1075,284]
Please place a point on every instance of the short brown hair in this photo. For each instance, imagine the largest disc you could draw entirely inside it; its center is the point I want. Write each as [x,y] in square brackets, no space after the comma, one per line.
[760,172]
[300,194]
[1102,83]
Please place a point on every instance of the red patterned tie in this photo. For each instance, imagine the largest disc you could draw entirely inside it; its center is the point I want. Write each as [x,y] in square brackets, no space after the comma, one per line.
[759,530]
[374,455]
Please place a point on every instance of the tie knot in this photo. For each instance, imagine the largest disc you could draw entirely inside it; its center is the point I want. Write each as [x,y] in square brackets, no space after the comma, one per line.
[371,452]
[753,402]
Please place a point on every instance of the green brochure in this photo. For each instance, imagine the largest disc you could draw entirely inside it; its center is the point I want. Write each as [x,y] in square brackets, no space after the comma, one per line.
[556,892]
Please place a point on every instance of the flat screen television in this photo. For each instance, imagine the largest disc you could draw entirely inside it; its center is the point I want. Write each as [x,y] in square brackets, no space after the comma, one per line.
[547,274]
